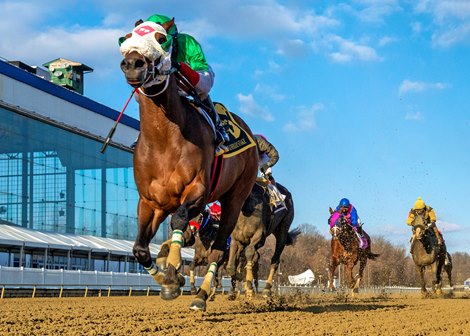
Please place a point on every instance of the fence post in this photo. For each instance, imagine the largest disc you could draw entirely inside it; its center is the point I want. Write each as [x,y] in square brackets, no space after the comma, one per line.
[3,292]
[86,291]
[61,290]
[130,291]
[109,291]
[34,292]
[148,290]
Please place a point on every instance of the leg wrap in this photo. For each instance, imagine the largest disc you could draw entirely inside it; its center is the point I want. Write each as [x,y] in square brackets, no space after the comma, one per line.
[174,257]
[206,284]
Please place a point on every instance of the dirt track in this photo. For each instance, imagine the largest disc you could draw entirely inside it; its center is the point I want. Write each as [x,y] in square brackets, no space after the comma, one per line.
[301,315]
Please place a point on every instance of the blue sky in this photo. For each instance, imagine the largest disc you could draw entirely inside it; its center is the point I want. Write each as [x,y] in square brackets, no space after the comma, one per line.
[364,99]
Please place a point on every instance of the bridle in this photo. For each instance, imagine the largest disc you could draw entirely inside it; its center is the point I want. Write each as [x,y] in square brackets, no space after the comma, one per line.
[153,78]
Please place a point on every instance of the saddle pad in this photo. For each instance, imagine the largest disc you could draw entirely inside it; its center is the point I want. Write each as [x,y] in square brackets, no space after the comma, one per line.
[240,140]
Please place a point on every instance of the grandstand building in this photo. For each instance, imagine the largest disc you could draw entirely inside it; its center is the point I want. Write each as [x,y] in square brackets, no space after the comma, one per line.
[64,204]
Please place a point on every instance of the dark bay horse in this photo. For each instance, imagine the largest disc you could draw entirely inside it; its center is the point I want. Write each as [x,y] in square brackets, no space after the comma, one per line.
[345,250]
[426,253]
[202,240]
[256,222]
[173,159]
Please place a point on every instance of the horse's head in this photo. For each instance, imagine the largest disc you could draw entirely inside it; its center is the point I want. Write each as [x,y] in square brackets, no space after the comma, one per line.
[147,54]
[419,225]
[338,224]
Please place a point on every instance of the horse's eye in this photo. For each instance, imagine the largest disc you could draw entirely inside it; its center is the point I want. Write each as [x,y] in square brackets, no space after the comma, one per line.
[162,40]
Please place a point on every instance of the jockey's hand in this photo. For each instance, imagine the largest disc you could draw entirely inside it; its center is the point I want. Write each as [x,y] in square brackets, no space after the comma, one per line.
[176,65]
[264,168]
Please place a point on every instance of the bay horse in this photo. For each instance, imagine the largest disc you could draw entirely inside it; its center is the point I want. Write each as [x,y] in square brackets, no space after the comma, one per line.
[173,159]
[256,222]
[345,250]
[426,253]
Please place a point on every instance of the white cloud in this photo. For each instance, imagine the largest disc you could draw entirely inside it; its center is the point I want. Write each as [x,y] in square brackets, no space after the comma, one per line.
[448,227]
[270,92]
[349,51]
[386,40]
[414,115]
[250,107]
[452,36]
[450,18]
[408,86]
[305,119]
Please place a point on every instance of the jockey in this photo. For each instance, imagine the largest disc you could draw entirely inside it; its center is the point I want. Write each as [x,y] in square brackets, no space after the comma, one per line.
[189,59]
[349,213]
[268,157]
[420,208]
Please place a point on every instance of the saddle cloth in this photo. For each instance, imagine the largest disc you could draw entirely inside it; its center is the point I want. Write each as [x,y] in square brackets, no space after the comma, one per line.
[240,140]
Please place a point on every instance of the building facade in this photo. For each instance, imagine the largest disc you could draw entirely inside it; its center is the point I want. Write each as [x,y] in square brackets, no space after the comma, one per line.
[53,177]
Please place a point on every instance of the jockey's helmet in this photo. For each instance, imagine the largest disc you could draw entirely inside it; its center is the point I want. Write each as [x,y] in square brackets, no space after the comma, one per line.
[344,203]
[160,19]
[419,204]
[215,210]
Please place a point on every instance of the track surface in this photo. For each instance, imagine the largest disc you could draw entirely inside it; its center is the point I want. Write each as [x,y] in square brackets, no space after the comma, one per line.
[290,315]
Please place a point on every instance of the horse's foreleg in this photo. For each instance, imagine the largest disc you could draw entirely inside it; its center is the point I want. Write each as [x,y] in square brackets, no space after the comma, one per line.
[420,270]
[438,275]
[358,277]
[192,281]
[348,268]
[148,222]
[229,216]
[174,280]
[331,273]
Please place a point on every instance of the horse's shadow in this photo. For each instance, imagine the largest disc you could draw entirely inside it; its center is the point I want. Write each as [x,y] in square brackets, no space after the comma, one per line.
[314,309]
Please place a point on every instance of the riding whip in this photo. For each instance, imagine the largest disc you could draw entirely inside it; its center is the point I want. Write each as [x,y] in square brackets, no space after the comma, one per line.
[113,129]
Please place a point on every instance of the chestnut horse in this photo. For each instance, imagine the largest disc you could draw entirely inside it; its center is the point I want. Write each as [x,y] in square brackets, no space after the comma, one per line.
[345,250]
[173,159]
[256,222]
[426,253]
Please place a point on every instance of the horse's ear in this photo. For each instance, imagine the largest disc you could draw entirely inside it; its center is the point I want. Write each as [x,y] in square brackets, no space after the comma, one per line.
[331,211]
[138,22]
[167,25]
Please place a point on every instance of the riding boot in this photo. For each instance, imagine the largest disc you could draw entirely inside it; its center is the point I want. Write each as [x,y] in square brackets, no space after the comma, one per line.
[221,135]
[438,235]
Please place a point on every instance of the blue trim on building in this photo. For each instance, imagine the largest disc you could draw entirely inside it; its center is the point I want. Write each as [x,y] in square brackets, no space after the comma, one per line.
[30,79]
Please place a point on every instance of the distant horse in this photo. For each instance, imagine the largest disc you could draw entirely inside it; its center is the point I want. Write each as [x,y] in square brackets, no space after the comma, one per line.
[426,253]
[256,222]
[345,250]
[173,160]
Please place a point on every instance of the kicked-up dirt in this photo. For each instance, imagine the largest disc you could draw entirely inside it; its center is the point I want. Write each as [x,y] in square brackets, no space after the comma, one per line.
[288,315]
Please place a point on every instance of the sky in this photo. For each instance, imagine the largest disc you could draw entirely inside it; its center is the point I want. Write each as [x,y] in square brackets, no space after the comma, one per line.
[364,99]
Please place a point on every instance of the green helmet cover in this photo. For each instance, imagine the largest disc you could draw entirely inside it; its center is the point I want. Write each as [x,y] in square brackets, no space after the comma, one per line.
[160,19]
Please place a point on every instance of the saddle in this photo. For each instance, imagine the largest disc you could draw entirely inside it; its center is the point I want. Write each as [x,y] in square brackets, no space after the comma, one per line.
[276,199]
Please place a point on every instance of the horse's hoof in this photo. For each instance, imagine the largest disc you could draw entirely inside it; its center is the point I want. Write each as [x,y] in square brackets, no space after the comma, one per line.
[159,277]
[198,305]
[193,291]
[267,293]
[170,292]
[232,297]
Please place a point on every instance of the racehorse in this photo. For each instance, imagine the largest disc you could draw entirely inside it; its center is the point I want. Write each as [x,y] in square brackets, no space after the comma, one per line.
[426,253]
[202,240]
[345,250]
[256,222]
[173,159]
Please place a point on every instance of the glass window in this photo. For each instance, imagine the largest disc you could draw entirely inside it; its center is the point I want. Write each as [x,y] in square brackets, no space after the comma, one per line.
[52,179]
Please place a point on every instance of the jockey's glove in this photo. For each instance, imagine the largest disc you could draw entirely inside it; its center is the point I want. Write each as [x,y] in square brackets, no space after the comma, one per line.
[264,168]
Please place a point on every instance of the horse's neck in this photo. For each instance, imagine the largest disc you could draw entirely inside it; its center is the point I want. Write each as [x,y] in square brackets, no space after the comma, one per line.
[162,117]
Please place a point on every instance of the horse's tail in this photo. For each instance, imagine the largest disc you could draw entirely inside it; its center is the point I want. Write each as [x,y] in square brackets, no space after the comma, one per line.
[292,236]
[372,256]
